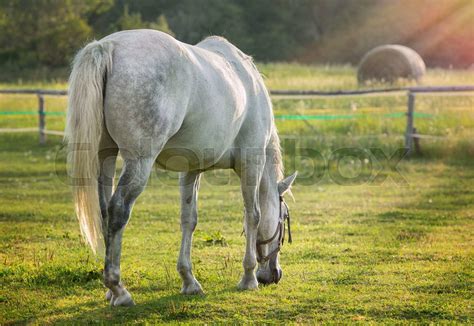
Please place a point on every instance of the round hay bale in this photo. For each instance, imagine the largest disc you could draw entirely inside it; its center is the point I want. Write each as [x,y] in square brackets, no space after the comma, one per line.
[388,63]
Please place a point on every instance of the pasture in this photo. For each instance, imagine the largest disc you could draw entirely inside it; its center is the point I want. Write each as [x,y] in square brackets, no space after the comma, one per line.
[397,251]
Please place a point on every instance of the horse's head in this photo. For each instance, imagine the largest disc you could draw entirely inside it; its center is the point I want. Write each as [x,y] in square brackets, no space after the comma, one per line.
[272,232]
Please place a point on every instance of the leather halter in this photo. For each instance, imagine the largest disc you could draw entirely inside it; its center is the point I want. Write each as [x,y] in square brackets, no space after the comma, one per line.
[279,232]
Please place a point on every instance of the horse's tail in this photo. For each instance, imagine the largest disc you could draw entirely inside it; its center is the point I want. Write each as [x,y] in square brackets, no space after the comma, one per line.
[83,131]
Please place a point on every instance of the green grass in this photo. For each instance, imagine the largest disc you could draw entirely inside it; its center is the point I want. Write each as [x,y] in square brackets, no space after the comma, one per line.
[296,76]
[380,253]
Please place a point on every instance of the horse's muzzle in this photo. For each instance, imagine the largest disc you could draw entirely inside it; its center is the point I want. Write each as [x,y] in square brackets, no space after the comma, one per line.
[269,276]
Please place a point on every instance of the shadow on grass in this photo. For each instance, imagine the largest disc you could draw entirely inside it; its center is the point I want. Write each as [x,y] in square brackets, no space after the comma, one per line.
[167,308]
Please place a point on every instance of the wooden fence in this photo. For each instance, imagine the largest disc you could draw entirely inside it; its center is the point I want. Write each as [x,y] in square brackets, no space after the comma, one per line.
[411,136]
[40,93]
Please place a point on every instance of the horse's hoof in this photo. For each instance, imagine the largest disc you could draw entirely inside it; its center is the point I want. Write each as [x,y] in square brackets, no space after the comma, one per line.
[108,295]
[246,284]
[124,300]
[192,289]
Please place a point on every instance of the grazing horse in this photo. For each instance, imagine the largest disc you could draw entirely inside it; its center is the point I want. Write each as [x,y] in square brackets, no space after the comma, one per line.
[188,109]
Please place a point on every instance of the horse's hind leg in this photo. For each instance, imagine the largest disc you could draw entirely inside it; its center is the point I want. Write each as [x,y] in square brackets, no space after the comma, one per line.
[132,182]
[189,186]
[108,151]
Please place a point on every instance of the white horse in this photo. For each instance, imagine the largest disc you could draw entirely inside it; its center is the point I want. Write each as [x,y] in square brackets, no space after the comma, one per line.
[189,109]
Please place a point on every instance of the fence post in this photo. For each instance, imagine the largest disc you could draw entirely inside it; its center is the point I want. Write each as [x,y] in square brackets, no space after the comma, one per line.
[41,119]
[409,131]
[416,142]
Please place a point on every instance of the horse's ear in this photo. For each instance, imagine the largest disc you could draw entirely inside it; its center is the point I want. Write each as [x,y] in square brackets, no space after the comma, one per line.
[285,184]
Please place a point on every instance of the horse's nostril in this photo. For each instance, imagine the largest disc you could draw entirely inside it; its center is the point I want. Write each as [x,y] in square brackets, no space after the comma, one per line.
[277,274]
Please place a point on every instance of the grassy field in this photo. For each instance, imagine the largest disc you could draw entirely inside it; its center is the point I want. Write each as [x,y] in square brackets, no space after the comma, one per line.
[372,252]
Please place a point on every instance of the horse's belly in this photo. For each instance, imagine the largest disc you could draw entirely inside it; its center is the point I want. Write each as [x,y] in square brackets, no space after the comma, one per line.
[179,158]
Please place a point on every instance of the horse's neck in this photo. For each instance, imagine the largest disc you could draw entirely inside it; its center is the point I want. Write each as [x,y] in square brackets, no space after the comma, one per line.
[269,198]
[270,172]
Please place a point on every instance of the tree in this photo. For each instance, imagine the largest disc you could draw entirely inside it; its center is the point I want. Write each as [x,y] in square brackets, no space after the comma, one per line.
[48,32]
[134,21]
[279,28]
[193,20]
[44,32]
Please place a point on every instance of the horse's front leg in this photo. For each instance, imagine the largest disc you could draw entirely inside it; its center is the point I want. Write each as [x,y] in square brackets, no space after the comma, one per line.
[250,180]
[131,184]
[189,186]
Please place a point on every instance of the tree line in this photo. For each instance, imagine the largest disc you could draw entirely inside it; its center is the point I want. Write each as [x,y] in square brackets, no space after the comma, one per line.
[49,32]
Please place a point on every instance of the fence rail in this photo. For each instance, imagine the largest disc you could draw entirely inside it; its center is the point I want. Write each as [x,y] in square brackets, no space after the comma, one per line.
[415,89]
[50,92]
[411,135]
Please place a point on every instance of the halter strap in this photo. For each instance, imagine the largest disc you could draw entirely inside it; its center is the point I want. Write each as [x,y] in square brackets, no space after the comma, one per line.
[280,232]
[263,242]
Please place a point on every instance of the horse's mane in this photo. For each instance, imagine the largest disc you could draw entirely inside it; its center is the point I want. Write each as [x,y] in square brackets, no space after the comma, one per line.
[275,154]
